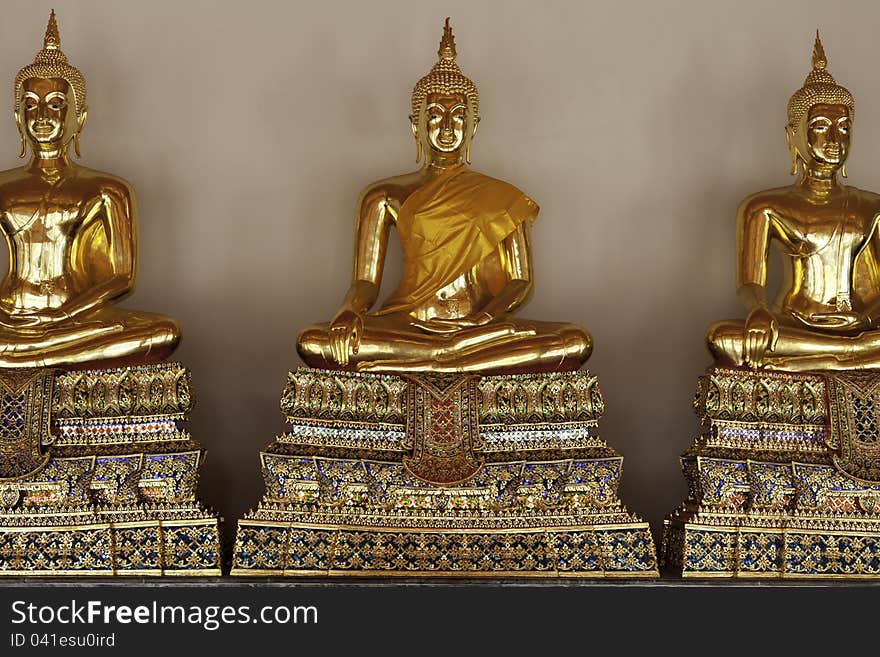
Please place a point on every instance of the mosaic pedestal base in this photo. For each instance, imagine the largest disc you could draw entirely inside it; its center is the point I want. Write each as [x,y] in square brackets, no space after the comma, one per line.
[155,541]
[97,477]
[495,476]
[773,485]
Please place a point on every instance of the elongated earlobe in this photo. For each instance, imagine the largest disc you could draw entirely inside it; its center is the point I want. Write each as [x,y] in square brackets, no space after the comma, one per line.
[415,134]
[789,141]
[81,123]
[21,137]
[843,171]
[467,150]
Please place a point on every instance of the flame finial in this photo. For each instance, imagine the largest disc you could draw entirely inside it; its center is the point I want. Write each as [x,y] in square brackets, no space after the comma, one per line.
[447,43]
[820,61]
[52,40]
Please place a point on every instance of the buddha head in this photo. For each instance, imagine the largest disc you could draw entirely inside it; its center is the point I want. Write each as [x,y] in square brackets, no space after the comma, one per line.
[50,99]
[820,120]
[445,107]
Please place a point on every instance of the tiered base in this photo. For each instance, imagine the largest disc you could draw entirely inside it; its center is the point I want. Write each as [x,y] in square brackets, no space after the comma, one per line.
[279,548]
[98,478]
[351,496]
[748,545]
[130,541]
[770,491]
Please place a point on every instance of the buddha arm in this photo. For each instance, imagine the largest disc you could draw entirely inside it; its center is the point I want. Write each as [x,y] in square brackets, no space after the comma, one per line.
[516,261]
[753,245]
[375,215]
[872,246]
[761,328]
[116,210]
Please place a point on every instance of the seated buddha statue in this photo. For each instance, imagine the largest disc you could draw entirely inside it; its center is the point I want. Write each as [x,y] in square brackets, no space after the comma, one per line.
[467,263]
[825,316]
[72,237]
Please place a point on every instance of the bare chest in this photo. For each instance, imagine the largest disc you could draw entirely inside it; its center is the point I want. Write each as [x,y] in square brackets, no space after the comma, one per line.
[40,216]
[42,224]
[828,233]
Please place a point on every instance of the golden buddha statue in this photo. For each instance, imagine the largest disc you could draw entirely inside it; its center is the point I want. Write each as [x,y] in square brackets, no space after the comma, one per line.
[72,237]
[440,426]
[785,469]
[826,314]
[466,254]
[92,428]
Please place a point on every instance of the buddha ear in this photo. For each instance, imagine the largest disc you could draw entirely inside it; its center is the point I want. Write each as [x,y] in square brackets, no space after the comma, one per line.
[20,125]
[80,125]
[415,132]
[467,149]
[792,147]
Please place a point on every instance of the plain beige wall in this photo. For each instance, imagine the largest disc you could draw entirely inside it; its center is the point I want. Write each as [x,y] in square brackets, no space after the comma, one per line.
[248,129]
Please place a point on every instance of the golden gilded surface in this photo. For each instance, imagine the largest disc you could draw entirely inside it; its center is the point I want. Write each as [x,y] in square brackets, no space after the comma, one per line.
[826,314]
[72,238]
[466,253]
[442,474]
[98,474]
[783,480]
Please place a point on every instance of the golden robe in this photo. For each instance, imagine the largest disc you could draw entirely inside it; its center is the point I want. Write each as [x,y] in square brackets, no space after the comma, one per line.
[448,226]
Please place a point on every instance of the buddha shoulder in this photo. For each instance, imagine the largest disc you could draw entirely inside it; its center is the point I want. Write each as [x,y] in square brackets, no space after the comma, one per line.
[393,190]
[80,184]
[98,183]
[789,208]
[869,201]
[777,201]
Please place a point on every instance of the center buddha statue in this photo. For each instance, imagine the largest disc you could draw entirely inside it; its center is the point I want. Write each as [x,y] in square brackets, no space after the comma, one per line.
[72,238]
[467,263]
[441,434]
[825,316]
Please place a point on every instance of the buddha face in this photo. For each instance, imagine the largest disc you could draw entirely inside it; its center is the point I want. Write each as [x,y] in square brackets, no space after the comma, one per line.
[47,111]
[828,130]
[446,120]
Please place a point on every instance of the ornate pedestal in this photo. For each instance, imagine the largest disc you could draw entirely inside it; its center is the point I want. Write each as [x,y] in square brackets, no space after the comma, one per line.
[784,479]
[98,478]
[442,475]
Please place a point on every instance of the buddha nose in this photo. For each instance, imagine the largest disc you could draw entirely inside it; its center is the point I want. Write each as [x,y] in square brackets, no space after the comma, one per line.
[833,135]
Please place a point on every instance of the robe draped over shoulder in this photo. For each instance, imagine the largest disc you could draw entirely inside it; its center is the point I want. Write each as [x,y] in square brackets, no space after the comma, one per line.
[448,226]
